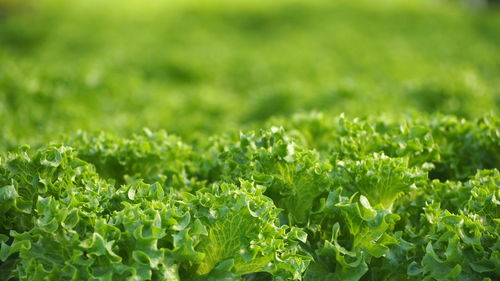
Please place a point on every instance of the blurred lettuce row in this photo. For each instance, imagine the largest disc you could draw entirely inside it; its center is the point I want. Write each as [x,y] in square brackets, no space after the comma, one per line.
[71,64]
[318,198]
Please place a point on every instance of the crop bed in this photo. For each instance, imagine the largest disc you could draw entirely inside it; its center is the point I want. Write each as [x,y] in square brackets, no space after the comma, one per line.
[316,198]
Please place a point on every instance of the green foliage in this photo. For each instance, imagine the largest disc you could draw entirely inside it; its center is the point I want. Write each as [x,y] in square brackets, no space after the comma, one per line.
[260,177]
[294,175]
[352,200]
[378,177]
[149,156]
[62,221]
[455,235]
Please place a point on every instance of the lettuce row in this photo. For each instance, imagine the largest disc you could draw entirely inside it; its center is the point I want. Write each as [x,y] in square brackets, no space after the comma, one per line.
[341,138]
[455,147]
[316,199]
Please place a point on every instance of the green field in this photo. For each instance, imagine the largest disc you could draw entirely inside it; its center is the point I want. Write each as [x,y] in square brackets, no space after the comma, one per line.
[249,140]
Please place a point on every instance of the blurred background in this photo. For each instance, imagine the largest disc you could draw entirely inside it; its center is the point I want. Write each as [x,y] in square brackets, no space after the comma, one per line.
[203,67]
